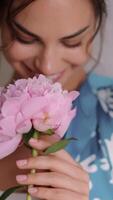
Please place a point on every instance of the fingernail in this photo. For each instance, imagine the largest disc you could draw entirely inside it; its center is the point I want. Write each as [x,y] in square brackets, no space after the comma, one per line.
[21,163]
[32,190]
[33,141]
[21,178]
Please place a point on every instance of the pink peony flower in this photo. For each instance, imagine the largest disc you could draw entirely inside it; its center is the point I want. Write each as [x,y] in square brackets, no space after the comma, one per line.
[33,102]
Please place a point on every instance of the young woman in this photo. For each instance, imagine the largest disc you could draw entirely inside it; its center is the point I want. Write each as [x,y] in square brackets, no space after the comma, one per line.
[54,38]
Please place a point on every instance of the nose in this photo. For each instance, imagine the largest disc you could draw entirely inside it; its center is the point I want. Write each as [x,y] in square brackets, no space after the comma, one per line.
[48,61]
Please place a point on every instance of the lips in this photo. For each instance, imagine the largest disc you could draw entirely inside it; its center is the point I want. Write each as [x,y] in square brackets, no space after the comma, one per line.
[54,78]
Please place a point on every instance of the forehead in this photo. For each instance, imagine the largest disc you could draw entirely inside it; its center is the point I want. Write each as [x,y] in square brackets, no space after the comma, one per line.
[59,14]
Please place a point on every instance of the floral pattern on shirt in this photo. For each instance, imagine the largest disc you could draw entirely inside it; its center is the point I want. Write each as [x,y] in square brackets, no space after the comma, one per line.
[93,127]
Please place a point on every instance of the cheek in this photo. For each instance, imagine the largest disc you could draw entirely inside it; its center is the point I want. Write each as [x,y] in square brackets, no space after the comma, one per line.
[78,57]
[18,52]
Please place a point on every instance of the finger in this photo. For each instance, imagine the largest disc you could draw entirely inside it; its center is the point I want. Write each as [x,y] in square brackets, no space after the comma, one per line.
[56,194]
[54,179]
[55,164]
[42,145]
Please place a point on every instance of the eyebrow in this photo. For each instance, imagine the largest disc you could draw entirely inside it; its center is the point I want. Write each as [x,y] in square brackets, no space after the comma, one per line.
[77,33]
[23,29]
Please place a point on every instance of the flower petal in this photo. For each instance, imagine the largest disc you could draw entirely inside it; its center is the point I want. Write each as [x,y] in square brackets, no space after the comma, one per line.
[8,147]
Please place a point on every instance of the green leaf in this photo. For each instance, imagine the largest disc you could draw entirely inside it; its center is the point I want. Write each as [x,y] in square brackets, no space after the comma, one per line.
[10,191]
[58,146]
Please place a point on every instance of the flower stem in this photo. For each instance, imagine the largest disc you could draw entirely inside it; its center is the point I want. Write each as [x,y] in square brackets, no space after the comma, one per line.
[34,154]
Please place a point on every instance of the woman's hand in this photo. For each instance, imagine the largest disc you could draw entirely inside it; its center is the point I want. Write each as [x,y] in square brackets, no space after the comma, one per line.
[61,179]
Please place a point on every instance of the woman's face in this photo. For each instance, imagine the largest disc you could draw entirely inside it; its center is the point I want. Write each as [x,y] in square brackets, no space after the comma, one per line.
[52,38]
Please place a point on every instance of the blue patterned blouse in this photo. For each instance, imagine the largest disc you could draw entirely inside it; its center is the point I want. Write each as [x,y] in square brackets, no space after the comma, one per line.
[93,127]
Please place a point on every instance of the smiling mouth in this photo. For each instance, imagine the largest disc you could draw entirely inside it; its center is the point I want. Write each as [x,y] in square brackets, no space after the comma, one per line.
[53,78]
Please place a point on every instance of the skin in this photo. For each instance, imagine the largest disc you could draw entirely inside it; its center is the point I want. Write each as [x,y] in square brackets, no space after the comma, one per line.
[51,54]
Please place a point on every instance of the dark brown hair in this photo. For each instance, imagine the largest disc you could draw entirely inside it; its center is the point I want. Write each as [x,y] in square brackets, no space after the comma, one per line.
[10,8]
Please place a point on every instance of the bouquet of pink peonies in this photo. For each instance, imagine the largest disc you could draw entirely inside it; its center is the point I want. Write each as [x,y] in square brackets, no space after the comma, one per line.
[31,107]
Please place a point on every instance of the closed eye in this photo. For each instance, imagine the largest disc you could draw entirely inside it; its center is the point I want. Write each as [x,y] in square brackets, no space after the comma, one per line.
[24,41]
[72,45]
[22,37]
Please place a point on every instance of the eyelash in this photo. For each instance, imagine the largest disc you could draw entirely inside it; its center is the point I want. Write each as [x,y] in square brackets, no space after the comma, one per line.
[73,45]
[24,41]
[19,39]
[34,40]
